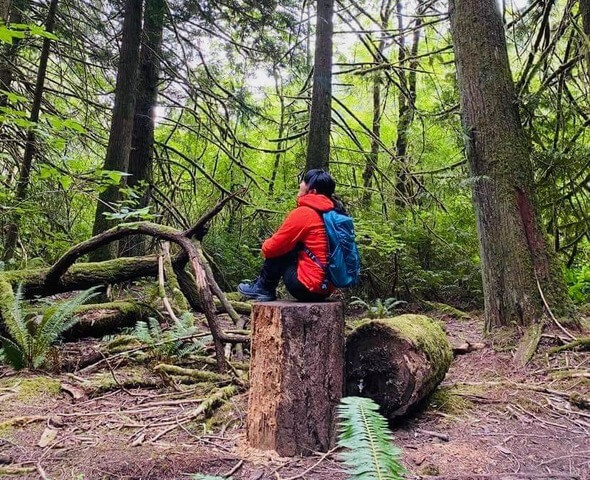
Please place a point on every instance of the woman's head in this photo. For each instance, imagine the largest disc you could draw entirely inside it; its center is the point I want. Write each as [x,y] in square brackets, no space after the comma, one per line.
[317,181]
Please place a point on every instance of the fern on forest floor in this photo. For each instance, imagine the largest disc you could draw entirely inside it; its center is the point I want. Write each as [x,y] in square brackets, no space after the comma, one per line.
[172,342]
[30,336]
[370,453]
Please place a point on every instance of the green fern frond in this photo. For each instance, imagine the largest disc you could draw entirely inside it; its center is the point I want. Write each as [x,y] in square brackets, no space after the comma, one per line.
[12,354]
[370,453]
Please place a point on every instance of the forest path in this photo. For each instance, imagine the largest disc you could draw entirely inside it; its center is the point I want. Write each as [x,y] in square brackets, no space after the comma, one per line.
[488,420]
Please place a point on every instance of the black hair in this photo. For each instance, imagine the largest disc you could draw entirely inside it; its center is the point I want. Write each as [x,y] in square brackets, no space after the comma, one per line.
[320,181]
[324,184]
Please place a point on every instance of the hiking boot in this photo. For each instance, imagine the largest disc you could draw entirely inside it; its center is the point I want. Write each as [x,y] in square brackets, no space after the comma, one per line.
[257,291]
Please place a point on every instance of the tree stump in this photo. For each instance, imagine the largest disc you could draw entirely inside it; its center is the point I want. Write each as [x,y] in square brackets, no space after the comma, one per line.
[296,376]
[398,362]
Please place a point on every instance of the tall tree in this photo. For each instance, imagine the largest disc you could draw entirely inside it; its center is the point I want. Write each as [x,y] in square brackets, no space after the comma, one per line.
[119,146]
[372,159]
[517,262]
[585,11]
[318,142]
[24,174]
[141,157]
[407,98]
[12,12]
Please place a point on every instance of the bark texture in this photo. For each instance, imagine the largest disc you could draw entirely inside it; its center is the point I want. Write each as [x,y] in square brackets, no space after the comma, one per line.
[513,248]
[397,362]
[141,157]
[119,146]
[296,376]
[584,6]
[318,142]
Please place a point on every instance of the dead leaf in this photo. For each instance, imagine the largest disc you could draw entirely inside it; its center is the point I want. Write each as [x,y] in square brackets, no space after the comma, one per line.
[47,437]
[76,392]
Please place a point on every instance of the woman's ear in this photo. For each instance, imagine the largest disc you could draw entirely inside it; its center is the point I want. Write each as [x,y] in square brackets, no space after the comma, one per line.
[313,190]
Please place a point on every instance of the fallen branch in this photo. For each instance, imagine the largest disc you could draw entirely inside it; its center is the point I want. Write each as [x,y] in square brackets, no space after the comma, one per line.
[584,343]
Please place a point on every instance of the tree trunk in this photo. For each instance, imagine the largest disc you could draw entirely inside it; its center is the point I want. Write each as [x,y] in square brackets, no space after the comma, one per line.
[24,173]
[515,254]
[117,156]
[584,6]
[141,157]
[295,376]
[318,142]
[398,362]
[12,12]
[407,105]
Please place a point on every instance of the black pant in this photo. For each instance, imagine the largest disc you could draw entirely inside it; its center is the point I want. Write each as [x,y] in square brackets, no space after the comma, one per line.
[285,266]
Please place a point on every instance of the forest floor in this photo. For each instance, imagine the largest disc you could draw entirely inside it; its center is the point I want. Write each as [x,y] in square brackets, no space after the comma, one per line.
[488,420]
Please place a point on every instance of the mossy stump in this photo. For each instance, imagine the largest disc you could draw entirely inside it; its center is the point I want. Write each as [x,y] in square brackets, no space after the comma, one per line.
[397,361]
[296,376]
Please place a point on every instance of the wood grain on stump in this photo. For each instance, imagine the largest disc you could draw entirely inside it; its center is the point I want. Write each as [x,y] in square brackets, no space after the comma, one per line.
[296,376]
[398,362]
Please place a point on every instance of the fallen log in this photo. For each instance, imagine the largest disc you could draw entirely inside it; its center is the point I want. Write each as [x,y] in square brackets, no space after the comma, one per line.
[397,362]
[81,276]
[100,319]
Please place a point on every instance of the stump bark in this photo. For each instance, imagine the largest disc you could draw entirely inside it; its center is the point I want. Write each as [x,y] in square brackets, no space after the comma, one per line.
[397,362]
[296,376]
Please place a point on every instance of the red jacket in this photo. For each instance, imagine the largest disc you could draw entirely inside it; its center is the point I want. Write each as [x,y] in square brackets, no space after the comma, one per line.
[304,225]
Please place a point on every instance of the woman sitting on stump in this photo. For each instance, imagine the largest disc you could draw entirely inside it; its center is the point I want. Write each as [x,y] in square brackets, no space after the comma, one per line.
[299,248]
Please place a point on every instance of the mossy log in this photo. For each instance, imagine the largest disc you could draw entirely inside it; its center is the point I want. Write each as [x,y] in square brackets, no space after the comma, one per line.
[100,319]
[81,276]
[397,361]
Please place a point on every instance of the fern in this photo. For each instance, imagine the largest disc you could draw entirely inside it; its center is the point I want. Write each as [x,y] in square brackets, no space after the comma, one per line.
[171,342]
[363,432]
[31,336]
[380,308]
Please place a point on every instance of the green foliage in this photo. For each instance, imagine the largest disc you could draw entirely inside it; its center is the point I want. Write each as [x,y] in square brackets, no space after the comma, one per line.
[171,342]
[370,453]
[31,336]
[578,281]
[379,308]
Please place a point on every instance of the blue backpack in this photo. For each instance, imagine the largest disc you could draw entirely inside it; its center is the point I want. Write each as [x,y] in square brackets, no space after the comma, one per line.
[344,262]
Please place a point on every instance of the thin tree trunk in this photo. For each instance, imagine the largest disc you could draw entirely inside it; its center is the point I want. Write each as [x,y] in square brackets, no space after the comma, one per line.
[281,132]
[24,174]
[585,12]
[12,12]
[117,156]
[373,157]
[141,157]
[407,105]
[318,143]
[515,255]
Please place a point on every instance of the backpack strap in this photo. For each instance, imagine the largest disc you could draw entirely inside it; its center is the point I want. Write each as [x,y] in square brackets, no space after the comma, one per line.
[324,268]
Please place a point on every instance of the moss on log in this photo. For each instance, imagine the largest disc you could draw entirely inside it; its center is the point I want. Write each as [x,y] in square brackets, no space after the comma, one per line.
[397,361]
[81,276]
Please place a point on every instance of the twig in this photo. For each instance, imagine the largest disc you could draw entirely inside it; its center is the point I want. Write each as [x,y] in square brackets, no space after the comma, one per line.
[162,290]
[442,436]
[237,466]
[322,458]
[562,328]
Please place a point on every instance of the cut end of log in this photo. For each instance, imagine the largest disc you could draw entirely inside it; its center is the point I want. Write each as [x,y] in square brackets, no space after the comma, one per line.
[397,361]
